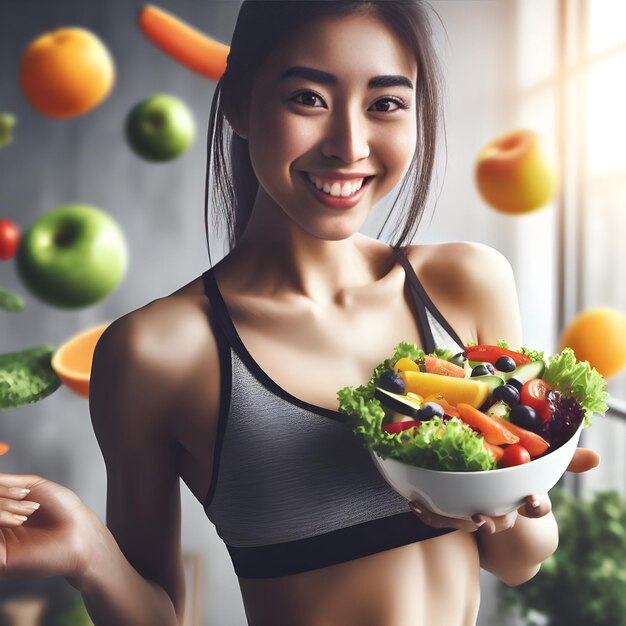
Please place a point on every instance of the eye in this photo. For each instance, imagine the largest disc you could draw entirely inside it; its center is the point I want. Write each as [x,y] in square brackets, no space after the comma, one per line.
[310,95]
[401,104]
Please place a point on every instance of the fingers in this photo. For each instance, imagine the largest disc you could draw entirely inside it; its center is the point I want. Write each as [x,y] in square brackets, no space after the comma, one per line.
[14,509]
[19,480]
[439,521]
[16,514]
[535,506]
[490,525]
[584,459]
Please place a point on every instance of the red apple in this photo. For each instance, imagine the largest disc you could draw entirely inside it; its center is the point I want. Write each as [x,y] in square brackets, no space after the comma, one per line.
[513,173]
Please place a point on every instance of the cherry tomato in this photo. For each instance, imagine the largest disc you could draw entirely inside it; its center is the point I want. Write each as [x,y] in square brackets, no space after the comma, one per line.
[533,394]
[515,454]
[9,239]
[398,427]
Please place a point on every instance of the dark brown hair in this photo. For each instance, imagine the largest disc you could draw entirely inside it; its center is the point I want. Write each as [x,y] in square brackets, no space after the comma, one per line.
[262,25]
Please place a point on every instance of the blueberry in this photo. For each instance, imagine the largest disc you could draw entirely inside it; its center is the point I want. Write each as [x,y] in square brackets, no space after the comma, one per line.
[505,364]
[484,369]
[429,410]
[391,381]
[506,393]
[515,382]
[525,417]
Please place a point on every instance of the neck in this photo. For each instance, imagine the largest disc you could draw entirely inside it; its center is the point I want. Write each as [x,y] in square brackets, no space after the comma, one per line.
[276,256]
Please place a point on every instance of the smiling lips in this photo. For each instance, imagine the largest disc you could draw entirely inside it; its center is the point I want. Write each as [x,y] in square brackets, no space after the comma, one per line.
[336,188]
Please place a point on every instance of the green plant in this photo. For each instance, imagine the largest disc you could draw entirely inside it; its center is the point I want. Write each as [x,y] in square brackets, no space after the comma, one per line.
[74,615]
[584,582]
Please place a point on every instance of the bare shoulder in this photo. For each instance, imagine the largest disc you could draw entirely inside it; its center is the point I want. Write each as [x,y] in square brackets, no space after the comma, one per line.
[475,284]
[160,349]
[463,261]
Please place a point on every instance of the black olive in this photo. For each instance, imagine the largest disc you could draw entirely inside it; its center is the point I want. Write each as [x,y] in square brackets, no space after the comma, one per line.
[525,417]
[506,393]
[484,369]
[515,382]
[392,381]
[429,410]
[505,364]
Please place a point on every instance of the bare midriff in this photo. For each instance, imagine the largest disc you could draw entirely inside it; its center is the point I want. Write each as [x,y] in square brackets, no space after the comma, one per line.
[435,582]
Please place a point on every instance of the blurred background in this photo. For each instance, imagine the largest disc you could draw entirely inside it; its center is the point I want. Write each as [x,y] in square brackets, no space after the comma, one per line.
[555,67]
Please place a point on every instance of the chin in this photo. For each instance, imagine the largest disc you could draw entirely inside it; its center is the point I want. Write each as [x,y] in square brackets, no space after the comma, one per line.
[341,230]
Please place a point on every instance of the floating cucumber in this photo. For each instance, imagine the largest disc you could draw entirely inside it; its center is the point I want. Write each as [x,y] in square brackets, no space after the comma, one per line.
[26,376]
[7,122]
[11,301]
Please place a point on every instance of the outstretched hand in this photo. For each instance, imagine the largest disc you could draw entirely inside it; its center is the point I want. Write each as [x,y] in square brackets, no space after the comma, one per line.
[50,540]
[584,459]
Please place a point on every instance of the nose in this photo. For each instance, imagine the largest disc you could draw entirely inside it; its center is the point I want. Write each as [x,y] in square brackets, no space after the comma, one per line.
[346,138]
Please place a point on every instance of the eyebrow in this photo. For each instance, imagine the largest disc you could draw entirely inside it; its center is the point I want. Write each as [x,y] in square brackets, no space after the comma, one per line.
[324,78]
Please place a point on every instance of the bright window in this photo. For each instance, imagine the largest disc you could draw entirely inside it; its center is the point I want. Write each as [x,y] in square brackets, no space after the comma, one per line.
[570,86]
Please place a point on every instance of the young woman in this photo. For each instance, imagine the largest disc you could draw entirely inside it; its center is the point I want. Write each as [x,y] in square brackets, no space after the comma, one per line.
[230,382]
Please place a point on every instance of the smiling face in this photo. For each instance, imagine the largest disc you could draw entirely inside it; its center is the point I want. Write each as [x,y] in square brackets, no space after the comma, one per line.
[353,116]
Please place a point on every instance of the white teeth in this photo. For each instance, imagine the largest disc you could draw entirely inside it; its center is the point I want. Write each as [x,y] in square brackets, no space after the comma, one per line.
[336,189]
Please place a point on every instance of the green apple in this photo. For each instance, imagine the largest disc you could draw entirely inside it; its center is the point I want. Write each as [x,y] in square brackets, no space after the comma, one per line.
[72,256]
[160,128]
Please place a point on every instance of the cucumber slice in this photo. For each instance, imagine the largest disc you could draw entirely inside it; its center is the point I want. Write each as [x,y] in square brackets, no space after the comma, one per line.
[526,372]
[397,402]
[492,380]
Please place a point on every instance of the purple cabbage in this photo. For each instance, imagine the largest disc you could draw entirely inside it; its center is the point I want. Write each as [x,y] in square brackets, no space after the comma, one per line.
[567,416]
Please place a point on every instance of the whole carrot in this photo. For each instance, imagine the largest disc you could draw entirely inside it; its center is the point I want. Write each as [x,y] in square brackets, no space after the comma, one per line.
[190,47]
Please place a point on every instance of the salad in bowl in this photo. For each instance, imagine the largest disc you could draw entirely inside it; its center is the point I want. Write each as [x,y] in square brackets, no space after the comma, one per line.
[477,431]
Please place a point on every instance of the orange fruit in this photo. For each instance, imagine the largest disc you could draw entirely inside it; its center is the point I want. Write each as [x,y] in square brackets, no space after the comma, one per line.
[513,173]
[4,447]
[72,361]
[599,337]
[66,72]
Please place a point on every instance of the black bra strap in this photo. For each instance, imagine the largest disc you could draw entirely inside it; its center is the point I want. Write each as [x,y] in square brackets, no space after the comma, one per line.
[222,317]
[426,334]
[218,306]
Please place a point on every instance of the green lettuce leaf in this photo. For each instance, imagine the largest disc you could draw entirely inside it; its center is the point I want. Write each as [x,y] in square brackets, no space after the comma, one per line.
[533,355]
[443,353]
[452,447]
[577,379]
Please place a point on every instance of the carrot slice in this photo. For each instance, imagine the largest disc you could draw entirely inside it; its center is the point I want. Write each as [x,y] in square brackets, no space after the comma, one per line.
[434,365]
[492,429]
[190,47]
[4,447]
[497,452]
[534,443]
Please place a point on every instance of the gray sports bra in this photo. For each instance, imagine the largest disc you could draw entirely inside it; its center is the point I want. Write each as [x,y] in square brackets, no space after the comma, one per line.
[292,488]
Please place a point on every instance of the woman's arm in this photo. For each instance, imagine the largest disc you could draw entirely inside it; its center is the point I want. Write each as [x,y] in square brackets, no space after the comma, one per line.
[115,593]
[134,575]
[514,555]
[480,284]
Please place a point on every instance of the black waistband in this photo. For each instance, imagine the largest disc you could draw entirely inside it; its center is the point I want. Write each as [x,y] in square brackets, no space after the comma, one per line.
[345,544]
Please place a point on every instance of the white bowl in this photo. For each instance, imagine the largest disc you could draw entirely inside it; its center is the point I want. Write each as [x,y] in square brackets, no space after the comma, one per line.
[492,492]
